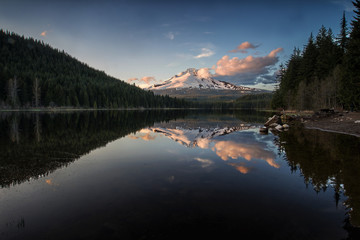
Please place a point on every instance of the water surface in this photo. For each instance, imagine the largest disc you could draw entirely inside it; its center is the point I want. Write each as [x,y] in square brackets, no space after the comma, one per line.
[171,175]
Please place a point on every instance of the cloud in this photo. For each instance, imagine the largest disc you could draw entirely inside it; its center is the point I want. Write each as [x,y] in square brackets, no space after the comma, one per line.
[243,47]
[133,137]
[147,79]
[229,149]
[43,34]
[258,65]
[148,137]
[204,162]
[240,168]
[204,73]
[170,35]
[145,134]
[267,79]
[249,70]
[132,79]
[205,52]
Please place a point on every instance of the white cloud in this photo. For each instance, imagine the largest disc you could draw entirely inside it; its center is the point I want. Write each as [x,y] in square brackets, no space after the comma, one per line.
[205,52]
[204,162]
[170,35]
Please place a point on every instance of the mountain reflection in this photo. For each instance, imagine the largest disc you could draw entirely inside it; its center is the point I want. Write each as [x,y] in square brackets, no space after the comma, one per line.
[198,137]
[237,147]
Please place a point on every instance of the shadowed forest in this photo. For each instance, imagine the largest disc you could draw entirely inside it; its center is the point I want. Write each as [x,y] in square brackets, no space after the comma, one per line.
[326,73]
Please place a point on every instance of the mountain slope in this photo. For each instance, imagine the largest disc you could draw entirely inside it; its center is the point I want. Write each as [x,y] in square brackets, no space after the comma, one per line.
[33,74]
[196,79]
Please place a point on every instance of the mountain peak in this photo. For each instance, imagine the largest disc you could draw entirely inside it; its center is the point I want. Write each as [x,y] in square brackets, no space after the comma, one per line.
[193,78]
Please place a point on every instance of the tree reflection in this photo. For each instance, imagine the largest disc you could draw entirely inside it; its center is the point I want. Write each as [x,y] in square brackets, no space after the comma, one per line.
[326,160]
[39,143]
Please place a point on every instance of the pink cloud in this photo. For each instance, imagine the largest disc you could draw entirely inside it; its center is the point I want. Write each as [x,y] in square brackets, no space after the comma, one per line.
[255,65]
[132,79]
[147,79]
[243,47]
[232,150]
[43,34]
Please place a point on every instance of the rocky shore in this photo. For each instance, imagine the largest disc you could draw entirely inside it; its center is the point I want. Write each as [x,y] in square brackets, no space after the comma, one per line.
[340,122]
[324,119]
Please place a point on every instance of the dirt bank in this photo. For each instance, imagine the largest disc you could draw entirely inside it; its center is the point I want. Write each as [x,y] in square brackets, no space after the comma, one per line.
[346,123]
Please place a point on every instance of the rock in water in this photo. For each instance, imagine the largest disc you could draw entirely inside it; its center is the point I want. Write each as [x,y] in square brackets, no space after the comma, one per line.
[271,120]
[264,130]
[279,127]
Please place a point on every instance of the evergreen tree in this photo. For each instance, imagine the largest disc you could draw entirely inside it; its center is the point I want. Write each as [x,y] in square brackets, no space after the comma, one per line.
[308,63]
[342,38]
[328,54]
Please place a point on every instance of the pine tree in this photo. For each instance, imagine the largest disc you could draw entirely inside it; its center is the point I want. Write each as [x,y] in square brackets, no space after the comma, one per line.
[342,38]
[328,55]
[308,63]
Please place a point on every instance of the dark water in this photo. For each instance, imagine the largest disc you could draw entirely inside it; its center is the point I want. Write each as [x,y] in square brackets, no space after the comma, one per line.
[174,175]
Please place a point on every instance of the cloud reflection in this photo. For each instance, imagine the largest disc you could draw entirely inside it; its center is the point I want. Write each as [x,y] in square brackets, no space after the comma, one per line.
[240,168]
[234,150]
[204,162]
[145,134]
[230,147]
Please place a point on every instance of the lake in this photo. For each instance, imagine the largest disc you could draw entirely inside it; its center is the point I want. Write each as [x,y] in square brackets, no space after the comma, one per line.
[174,175]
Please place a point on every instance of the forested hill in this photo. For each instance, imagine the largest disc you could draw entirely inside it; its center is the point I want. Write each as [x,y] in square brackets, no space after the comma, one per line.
[326,74]
[33,74]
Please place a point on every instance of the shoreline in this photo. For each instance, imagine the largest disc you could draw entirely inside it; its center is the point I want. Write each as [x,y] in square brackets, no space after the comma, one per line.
[122,109]
[340,122]
[333,131]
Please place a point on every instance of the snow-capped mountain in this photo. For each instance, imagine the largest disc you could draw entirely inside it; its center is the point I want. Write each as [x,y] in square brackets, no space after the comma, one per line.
[196,79]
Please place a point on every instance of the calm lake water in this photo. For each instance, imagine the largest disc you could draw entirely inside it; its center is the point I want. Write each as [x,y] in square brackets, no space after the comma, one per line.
[174,175]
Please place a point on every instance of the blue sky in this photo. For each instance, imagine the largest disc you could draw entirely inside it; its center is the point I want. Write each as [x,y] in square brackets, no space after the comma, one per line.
[144,41]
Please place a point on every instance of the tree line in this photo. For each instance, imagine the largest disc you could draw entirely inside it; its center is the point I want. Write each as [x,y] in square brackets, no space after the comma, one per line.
[326,73]
[33,74]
